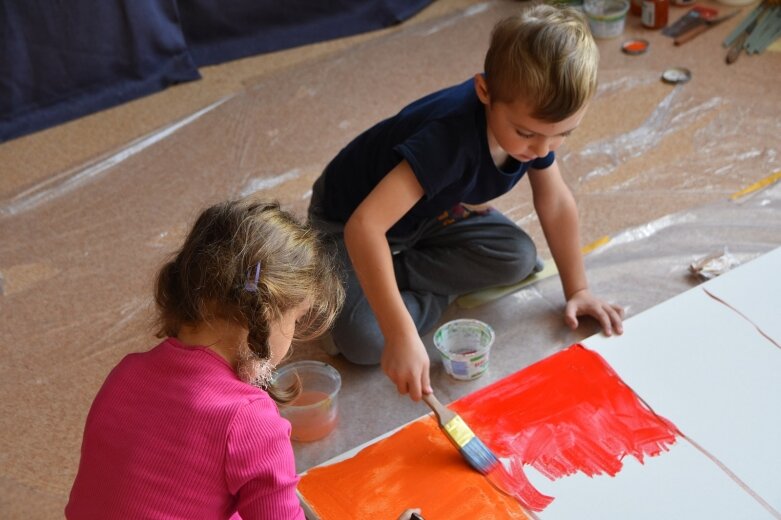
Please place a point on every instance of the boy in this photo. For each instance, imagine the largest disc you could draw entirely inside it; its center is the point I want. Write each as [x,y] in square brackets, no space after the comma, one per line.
[405,200]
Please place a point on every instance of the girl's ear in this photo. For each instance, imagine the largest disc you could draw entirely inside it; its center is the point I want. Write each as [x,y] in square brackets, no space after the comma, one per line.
[481,88]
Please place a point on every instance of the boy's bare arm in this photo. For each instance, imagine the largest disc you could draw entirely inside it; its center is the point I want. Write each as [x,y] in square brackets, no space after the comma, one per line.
[558,215]
[404,357]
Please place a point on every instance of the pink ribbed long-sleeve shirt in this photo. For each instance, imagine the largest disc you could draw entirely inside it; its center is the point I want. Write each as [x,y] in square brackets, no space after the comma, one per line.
[174,434]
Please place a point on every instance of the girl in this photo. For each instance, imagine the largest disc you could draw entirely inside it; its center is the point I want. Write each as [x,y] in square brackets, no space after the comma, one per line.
[190,429]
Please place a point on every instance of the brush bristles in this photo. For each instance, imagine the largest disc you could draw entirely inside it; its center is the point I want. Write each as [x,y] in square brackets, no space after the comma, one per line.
[479,456]
[473,450]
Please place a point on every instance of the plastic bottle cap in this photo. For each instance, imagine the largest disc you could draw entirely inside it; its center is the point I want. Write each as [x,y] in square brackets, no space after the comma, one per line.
[676,75]
[635,46]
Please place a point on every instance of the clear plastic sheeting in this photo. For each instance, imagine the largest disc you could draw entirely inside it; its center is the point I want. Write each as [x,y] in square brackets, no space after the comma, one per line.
[77,263]
[71,180]
[610,153]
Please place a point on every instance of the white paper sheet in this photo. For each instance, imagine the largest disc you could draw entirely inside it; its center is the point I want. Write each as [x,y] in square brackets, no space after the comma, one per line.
[679,484]
[707,369]
[755,291]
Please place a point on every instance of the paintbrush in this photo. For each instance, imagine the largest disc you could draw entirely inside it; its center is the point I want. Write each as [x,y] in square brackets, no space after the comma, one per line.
[483,460]
[472,449]
[704,26]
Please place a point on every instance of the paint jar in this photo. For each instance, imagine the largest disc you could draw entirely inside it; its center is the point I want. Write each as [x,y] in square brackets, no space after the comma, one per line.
[313,415]
[606,18]
[655,13]
[465,346]
[736,3]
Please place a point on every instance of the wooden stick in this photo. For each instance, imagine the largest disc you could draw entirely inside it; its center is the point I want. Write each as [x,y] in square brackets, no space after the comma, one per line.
[742,26]
[444,414]
[689,35]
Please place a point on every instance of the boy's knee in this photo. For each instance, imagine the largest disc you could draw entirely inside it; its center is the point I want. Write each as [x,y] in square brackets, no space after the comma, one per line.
[520,258]
[358,348]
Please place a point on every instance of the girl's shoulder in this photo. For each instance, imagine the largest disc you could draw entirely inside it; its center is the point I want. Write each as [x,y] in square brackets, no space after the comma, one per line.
[257,420]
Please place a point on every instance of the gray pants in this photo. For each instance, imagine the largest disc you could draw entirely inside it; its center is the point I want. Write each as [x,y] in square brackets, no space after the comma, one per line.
[443,258]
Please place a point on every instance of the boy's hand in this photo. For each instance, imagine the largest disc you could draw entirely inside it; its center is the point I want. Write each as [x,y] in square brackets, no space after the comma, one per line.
[583,303]
[406,362]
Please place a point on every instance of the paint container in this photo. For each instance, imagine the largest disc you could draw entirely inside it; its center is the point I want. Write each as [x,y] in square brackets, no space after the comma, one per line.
[606,17]
[655,13]
[676,75]
[465,346]
[313,415]
[635,46]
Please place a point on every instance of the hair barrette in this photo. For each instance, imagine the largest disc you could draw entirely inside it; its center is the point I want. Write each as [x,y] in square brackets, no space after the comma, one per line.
[251,285]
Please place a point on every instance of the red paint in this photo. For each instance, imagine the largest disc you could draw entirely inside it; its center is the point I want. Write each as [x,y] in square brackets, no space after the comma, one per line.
[515,484]
[569,412]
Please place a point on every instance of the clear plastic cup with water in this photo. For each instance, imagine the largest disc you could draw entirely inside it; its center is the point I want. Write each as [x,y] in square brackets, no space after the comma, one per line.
[314,414]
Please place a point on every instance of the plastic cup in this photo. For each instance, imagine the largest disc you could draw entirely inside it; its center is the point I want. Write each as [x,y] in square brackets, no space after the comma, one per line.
[313,415]
[606,18]
[465,346]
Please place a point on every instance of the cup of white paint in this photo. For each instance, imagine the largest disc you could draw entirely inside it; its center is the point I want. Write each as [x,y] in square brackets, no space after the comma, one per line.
[606,18]
[465,346]
[313,414]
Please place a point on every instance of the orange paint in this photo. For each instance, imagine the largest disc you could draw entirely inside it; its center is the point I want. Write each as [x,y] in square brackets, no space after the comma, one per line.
[635,46]
[415,467]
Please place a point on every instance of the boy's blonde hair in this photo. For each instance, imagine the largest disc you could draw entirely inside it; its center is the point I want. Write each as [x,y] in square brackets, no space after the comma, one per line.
[546,57]
[213,275]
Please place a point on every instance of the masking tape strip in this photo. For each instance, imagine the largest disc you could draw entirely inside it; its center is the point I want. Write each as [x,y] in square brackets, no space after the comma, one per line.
[770,179]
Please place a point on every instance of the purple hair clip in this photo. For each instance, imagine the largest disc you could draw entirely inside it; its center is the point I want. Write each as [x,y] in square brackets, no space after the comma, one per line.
[252,285]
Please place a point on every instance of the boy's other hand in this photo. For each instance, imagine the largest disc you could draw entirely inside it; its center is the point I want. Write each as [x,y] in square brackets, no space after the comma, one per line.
[583,303]
[406,363]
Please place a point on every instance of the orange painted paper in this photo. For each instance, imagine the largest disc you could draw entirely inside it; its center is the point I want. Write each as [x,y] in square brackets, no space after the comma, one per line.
[415,467]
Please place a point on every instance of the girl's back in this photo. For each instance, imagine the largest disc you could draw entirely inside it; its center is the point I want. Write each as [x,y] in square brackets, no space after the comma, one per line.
[174,434]
[191,429]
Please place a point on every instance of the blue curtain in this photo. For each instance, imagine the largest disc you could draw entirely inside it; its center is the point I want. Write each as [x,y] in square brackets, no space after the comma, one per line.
[62,59]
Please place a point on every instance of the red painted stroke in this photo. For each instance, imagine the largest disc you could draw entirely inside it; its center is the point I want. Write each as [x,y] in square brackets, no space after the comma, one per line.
[515,484]
[567,413]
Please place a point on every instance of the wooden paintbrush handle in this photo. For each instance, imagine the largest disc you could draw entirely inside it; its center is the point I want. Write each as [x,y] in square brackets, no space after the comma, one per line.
[689,35]
[736,48]
[443,414]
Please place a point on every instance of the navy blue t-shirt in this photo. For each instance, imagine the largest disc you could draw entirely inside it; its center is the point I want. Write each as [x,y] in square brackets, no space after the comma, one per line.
[443,136]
